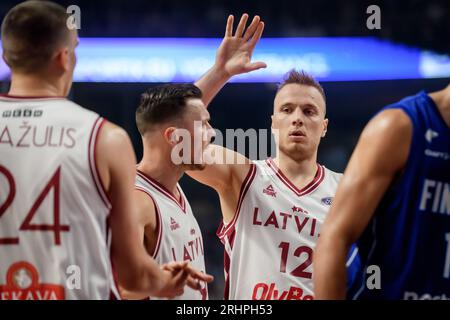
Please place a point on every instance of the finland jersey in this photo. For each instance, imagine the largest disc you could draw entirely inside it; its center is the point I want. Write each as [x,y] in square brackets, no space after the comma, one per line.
[53,209]
[269,243]
[179,236]
[409,236]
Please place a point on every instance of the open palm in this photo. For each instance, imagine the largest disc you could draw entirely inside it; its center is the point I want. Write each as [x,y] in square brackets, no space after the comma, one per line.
[235,52]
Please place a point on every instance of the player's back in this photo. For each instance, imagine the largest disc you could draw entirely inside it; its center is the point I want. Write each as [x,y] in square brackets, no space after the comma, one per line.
[409,236]
[53,209]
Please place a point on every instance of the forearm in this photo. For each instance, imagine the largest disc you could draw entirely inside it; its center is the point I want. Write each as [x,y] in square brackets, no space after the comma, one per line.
[211,83]
[142,277]
[330,275]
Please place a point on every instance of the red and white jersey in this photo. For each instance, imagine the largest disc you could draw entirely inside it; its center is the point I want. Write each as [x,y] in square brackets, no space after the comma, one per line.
[53,209]
[179,235]
[269,243]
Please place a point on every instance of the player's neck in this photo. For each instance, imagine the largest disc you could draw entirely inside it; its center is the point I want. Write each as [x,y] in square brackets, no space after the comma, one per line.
[442,100]
[300,172]
[33,86]
[157,167]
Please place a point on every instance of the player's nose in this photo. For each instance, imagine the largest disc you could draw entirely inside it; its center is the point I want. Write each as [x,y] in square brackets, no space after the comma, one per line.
[297,117]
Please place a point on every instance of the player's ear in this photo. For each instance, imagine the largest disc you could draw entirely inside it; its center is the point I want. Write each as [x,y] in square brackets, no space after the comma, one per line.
[62,59]
[325,127]
[171,136]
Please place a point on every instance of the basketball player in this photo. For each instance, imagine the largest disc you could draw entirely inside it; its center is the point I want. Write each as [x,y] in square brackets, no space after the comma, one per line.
[168,227]
[66,178]
[272,209]
[394,200]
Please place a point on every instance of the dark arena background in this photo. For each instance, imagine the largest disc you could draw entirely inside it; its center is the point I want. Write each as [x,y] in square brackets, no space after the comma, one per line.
[361,67]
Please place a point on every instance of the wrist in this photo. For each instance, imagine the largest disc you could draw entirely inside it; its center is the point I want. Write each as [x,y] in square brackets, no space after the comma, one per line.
[221,72]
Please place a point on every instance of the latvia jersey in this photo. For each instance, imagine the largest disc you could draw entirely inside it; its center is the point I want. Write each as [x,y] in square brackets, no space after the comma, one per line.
[179,236]
[53,210]
[408,237]
[269,243]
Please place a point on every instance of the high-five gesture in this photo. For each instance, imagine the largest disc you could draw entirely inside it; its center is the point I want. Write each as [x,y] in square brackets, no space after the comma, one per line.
[235,52]
[233,57]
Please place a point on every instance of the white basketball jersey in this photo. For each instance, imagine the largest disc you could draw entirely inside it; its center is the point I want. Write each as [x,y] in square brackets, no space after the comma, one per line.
[269,243]
[179,236]
[53,209]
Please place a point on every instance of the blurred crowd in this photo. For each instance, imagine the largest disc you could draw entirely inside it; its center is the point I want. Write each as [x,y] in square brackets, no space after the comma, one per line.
[414,22]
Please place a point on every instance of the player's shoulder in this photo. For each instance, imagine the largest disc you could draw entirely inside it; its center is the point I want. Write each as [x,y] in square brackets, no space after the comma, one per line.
[70,112]
[389,122]
[145,204]
[331,175]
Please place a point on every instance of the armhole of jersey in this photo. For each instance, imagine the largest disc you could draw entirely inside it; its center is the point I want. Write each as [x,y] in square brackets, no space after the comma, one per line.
[225,228]
[155,252]
[92,147]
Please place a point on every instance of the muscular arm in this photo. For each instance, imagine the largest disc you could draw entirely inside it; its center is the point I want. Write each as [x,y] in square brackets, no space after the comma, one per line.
[225,176]
[233,57]
[147,231]
[137,271]
[380,154]
[115,157]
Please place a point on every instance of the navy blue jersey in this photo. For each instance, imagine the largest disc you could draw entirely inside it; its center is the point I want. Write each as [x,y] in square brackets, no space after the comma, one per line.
[408,238]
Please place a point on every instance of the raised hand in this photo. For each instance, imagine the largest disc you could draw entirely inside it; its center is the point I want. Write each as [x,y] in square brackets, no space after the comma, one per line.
[234,55]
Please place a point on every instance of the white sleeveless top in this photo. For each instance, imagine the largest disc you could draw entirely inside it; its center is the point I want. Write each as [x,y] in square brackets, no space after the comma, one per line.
[179,235]
[53,209]
[269,243]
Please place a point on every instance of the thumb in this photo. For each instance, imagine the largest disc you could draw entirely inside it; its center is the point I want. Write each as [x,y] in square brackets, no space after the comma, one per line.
[255,66]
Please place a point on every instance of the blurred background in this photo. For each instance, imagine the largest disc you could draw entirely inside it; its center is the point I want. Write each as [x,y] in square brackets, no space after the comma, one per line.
[423,26]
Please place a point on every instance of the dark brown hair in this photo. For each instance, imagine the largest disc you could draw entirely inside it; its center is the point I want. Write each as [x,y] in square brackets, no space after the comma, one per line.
[164,103]
[31,32]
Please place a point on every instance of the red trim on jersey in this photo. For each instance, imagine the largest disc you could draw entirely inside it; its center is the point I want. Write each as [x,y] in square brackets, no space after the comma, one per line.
[115,285]
[158,222]
[227,232]
[227,261]
[311,186]
[5,95]
[181,203]
[225,228]
[93,161]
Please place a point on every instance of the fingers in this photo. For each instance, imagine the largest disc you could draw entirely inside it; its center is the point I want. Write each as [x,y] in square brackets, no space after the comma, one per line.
[199,275]
[229,27]
[251,28]
[241,26]
[257,36]
[193,284]
[173,266]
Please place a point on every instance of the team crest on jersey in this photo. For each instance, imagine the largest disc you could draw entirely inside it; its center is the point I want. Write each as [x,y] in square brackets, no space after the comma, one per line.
[270,191]
[327,201]
[22,283]
[173,224]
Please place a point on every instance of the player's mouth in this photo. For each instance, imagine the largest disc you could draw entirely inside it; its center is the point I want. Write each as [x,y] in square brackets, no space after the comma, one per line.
[297,135]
